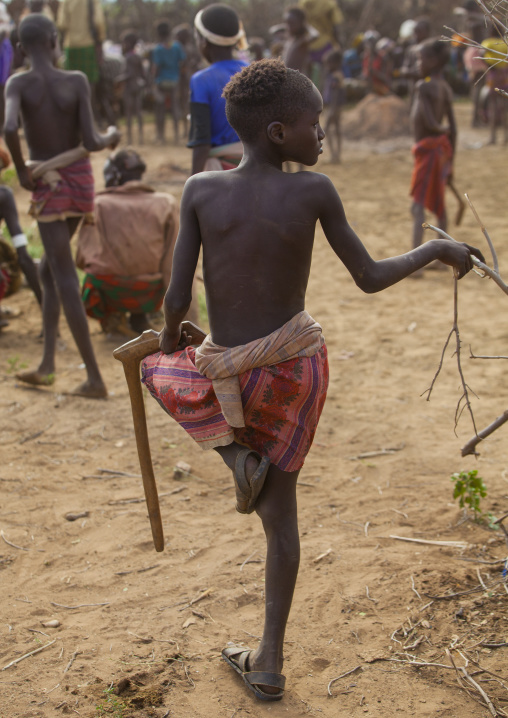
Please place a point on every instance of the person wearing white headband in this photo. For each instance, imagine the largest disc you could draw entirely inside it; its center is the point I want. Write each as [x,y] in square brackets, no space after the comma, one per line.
[214,143]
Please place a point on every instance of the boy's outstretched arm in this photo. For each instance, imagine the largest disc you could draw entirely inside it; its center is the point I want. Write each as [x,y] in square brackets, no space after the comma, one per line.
[92,140]
[371,275]
[185,258]
[11,127]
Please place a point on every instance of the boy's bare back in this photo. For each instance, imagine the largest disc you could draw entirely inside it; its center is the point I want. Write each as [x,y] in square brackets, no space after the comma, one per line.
[55,108]
[256,270]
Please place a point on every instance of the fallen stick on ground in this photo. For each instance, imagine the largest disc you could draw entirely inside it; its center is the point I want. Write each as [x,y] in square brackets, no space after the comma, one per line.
[343,675]
[120,473]
[21,548]
[136,570]
[452,544]
[322,556]
[377,452]
[80,605]
[71,661]
[202,595]
[34,435]
[32,653]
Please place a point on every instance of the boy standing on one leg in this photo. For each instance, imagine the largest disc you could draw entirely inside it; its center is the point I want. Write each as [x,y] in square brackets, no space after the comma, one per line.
[435,141]
[255,388]
[57,117]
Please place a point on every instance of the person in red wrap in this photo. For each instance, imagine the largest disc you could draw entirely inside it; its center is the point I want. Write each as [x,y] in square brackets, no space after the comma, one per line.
[435,133]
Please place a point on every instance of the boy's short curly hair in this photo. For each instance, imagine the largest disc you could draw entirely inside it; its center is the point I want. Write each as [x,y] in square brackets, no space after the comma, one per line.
[438,48]
[264,92]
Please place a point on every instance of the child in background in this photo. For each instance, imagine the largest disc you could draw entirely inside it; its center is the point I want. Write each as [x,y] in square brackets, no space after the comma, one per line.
[167,58]
[135,82]
[185,36]
[56,112]
[334,98]
[496,79]
[296,50]
[435,139]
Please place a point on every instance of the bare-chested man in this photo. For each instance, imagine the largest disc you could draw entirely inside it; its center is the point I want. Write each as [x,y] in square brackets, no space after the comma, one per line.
[435,138]
[57,119]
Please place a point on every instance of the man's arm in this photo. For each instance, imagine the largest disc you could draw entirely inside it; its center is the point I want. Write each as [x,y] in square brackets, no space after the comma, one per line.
[11,127]
[371,275]
[185,258]
[92,140]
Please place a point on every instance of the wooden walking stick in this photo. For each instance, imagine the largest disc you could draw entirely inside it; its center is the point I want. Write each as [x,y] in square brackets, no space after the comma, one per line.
[131,354]
[462,204]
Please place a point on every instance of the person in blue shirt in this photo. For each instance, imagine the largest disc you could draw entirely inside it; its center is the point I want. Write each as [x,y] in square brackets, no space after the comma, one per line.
[167,57]
[214,143]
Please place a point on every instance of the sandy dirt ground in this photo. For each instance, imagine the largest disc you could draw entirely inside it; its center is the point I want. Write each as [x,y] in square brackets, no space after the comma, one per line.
[140,633]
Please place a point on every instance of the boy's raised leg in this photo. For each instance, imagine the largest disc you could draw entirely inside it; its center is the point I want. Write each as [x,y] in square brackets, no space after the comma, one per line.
[56,240]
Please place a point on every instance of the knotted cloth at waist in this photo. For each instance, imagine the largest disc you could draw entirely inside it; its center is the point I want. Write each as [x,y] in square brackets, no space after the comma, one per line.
[300,337]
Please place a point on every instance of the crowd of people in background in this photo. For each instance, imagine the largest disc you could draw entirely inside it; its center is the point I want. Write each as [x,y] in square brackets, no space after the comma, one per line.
[134,74]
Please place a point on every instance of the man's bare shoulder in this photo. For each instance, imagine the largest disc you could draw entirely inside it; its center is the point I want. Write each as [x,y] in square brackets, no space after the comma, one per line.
[24,79]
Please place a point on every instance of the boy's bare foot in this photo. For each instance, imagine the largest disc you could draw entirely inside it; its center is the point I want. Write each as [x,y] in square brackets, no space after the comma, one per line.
[89,390]
[36,378]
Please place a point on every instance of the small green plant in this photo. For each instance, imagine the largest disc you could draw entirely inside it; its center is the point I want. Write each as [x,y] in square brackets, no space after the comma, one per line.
[10,178]
[469,489]
[14,364]
[111,705]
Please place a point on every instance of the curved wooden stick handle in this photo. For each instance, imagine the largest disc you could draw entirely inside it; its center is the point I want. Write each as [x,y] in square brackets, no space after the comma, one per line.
[131,354]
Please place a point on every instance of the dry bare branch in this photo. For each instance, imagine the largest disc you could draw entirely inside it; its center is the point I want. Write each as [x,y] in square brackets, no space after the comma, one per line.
[485,234]
[470,446]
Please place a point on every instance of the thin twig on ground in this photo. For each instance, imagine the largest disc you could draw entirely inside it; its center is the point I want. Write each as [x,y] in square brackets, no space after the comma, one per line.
[9,543]
[343,675]
[32,653]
